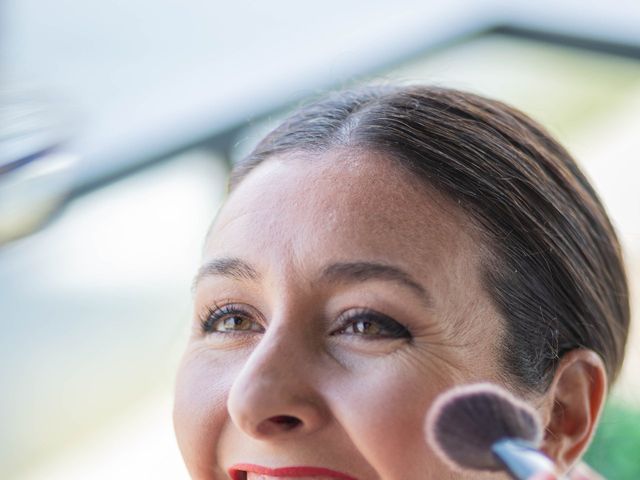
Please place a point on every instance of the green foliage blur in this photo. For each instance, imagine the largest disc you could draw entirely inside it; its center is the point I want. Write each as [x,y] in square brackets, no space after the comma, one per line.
[615,451]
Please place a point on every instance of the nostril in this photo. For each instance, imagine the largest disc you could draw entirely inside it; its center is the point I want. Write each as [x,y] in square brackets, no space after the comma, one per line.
[286,421]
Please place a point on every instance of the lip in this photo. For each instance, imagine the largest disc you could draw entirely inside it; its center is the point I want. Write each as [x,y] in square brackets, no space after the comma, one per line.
[235,471]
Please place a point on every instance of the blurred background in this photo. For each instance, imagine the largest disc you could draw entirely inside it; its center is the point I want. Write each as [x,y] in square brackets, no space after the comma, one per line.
[119,122]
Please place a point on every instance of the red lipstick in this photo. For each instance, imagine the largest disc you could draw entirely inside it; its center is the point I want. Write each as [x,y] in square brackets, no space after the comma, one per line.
[236,472]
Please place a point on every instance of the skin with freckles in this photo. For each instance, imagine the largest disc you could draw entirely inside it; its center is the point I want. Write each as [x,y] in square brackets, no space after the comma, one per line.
[338,297]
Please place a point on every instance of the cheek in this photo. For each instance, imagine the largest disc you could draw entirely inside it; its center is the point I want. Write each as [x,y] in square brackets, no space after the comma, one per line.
[384,415]
[200,414]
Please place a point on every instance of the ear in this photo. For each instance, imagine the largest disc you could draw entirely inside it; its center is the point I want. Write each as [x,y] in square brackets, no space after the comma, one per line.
[573,406]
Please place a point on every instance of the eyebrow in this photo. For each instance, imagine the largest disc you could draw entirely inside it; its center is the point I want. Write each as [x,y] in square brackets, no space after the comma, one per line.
[348,272]
[230,267]
[363,271]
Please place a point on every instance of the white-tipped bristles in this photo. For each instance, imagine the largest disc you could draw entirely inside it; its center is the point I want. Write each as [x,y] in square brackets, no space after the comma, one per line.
[465,422]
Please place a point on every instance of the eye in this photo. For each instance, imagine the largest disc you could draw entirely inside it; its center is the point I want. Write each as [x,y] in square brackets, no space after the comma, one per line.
[367,323]
[229,319]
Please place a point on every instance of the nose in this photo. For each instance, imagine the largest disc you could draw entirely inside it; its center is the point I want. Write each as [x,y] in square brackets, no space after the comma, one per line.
[274,395]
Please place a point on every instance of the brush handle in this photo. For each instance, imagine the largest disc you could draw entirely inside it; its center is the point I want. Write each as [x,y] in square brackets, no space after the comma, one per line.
[521,459]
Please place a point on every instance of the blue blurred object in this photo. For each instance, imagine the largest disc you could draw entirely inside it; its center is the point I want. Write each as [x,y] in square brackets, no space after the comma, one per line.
[156,77]
[35,170]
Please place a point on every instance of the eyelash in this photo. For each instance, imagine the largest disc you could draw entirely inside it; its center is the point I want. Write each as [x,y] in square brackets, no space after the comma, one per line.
[393,329]
[215,313]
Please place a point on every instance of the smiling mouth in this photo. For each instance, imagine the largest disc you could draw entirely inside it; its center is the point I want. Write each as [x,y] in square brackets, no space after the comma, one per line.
[258,472]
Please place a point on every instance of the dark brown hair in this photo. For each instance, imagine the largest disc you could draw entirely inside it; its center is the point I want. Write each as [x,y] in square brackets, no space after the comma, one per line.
[556,273]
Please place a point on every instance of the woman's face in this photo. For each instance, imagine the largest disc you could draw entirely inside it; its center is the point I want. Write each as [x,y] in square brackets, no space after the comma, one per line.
[336,300]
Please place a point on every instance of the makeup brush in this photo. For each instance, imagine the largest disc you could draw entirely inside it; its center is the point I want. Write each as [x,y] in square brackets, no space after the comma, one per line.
[484,427]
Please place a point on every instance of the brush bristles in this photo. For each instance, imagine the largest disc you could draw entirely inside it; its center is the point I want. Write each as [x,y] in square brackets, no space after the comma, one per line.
[464,423]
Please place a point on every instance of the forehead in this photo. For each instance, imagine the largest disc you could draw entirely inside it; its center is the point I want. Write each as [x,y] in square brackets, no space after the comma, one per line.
[342,205]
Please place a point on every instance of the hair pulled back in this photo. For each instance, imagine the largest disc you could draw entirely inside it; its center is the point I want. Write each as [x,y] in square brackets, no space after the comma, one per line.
[556,272]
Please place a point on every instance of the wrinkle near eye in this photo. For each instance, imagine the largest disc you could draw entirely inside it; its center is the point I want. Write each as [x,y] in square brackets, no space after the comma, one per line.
[432,362]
